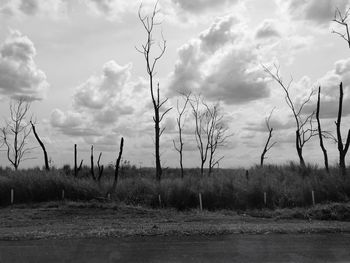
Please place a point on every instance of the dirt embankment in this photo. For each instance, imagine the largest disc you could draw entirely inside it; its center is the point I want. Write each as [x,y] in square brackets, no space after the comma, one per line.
[80,220]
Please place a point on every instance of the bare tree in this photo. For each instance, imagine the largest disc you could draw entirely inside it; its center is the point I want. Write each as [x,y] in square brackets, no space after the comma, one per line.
[343,149]
[320,133]
[267,146]
[210,132]
[100,168]
[117,164]
[342,19]
[92,163]
[304,128]
[217,135]
[180,125]
[16,132]
[76,167]
[47,167]
[201,130]
[149,22]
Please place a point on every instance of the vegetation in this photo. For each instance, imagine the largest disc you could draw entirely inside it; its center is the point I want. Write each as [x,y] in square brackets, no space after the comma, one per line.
[285,187]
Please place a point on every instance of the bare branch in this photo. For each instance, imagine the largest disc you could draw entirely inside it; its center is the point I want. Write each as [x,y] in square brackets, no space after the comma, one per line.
[16,132]
[148,23]
[341,19]
[302,134]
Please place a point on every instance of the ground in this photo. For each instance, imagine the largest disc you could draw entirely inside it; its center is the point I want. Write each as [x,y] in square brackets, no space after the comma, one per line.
[94,219]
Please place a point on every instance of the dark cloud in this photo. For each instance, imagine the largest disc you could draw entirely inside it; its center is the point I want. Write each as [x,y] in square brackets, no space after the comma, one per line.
[29,7]
[267,29]
[104,6]
[71,124]
[274,123]
[52,8]
[318,11]
[198,6]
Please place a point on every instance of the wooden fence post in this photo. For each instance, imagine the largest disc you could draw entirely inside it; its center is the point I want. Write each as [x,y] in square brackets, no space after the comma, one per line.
[200,202]
[12,196]
[313,197]
[160,200]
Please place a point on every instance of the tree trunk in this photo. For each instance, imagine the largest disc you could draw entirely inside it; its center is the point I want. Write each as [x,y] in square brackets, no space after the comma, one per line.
[299,149]
[75,161]
[341,148]
[202,167]
[157,141]
[325,155]
[342,164]
[47,168]
[181,166]
[92,163]
[117,164]
[266,148]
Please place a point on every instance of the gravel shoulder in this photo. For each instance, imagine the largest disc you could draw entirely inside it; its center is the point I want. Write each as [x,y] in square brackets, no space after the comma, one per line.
[62,220]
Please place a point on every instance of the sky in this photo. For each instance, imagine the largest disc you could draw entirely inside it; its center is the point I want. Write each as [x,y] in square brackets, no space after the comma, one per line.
[76,61]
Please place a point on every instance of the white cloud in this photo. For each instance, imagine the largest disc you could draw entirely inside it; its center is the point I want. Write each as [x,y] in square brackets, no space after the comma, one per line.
[222,64]
[219,33]
[19,75]
[106,106]
[330,90]
[106,97]
[98,89]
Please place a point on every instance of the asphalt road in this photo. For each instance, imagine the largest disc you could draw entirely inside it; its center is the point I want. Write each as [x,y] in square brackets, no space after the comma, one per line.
[232,248]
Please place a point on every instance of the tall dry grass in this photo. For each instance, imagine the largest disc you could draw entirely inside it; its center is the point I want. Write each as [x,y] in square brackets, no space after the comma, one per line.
[285,186]
[34,185]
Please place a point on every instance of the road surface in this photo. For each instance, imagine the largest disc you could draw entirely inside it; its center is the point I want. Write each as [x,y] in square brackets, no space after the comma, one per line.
[231,248]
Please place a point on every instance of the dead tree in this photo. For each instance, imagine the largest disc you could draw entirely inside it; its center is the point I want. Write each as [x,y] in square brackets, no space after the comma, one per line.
[201,130]
[210,132]
[149,23]
[304,129]
[341,19]
[267,146]
[47,167]
[216,134]
[180,125]
[76,168]
[92,163]
[343,149]
[16,132]
[320,133]
[117,164]
[100,168]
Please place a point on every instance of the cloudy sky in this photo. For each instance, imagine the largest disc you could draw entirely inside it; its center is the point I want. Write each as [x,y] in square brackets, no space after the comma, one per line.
[76,60]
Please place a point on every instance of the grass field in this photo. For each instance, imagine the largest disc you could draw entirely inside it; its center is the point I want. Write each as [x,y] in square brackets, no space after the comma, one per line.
[285,186]
[63,220]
